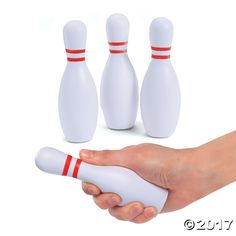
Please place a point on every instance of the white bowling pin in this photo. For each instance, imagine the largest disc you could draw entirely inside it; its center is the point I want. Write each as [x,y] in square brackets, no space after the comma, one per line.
[119,86]
[78,102]
[160,93]
[125,182]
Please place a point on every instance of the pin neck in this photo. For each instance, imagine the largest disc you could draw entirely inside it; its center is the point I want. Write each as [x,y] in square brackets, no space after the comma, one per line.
[118,47]
[71,163]
[75,55]
[160,53]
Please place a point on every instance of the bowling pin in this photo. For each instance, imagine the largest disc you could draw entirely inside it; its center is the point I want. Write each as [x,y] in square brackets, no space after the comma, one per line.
[119,86]
[122,181]
[160,93]
[78,102]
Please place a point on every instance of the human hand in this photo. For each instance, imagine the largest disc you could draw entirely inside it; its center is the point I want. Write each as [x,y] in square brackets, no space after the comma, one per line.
[188,174]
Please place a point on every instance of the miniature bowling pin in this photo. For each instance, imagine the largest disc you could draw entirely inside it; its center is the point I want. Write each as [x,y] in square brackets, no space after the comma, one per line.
[78,102]
[119,86]
[160,93]
[122,181]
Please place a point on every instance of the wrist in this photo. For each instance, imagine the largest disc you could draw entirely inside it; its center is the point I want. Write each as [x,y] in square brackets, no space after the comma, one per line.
[216,166]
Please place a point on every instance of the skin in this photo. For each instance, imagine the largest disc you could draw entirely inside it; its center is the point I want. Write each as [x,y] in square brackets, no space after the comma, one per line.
[188,174]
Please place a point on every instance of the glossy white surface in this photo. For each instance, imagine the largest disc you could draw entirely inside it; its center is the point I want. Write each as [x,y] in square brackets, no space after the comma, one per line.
[119,86]
[122,181]
[160,93]
[78,102]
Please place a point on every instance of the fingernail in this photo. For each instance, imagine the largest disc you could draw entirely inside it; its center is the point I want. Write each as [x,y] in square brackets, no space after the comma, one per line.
[113,200]
[136,211]
[86,153]
[90,191]
[150,213]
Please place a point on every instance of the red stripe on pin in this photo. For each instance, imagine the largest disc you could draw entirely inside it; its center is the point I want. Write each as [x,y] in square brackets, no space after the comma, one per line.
[71,59]
[77,51]
[118,51]
[76,168]
[118,43]
[161,56]
[160,48]
[67,165]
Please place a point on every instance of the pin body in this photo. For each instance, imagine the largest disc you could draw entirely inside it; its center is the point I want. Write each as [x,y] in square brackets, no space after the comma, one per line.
[160,93]
[119,86]
[78,105]
[122,181]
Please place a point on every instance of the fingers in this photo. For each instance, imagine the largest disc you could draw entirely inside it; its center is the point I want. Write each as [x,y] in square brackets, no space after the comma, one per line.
[90,189]
[146,215]
[130,157]
[127,212]
[103,200]
[134,212]
[104,157]
[124,157]
[107,200]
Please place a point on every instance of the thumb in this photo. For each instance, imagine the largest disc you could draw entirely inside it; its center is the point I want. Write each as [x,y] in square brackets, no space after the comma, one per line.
[142,159]
[108,158]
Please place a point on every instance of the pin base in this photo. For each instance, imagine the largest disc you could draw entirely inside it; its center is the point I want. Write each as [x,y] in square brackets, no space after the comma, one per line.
[80,140]
[121,128]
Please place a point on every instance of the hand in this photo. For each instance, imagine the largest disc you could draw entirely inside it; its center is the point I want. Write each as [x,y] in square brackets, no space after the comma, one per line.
[159,165]
[188,174]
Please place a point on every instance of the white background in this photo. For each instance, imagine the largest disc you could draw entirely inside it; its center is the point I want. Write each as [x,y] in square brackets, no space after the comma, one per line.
[32,61]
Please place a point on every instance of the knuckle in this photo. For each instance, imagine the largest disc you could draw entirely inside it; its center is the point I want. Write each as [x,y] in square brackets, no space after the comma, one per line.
[105,153]
[129,148]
